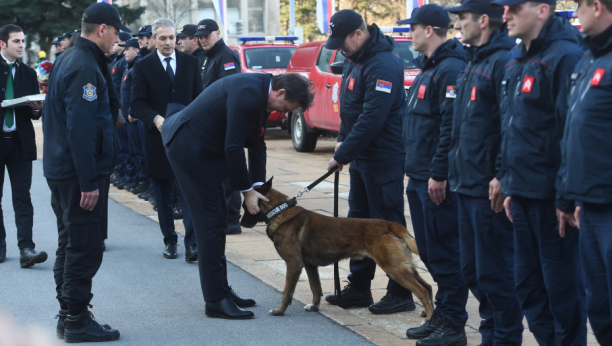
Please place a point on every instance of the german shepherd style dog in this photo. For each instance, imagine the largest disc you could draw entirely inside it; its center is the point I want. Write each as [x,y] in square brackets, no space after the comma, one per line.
[305,239]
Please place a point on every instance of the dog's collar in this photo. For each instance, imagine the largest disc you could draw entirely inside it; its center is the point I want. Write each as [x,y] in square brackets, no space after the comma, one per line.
[277,210]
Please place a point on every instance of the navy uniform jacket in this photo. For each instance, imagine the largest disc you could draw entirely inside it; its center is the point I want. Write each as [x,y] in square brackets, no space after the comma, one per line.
[77,120]
[200,53]
[25,83]
[222,62]
[227,117]
[126,88]
[117,68]
[533,109]
[429,118]
[586,170]
[372,101]
[476,133]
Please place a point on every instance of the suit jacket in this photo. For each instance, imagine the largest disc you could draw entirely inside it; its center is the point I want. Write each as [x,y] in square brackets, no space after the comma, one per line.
[25,83]
[152,90]
[211,133]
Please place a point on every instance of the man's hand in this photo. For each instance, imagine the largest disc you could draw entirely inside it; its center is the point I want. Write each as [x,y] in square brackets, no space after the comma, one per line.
[132,120]
[36,105]
[338,146]
[563,219]
[495,195]
[159,121]
[577,216]
[333,163]
[437,191]
[89,199]
[251,198]
[508,207]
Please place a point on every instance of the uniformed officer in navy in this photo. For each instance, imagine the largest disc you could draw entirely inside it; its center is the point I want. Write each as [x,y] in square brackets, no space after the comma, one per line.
[370,139]
[487,246]
[586,170]
[221,62]
[79,114]
[144,35]
[190,43]
[57,43]
[433,206]
[534,107]
[205,144]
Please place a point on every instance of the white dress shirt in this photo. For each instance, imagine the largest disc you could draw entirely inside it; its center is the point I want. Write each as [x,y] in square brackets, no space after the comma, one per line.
[165,66]
[14,127]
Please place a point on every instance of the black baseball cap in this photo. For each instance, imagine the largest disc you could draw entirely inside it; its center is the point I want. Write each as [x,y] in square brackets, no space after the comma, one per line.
[430,14]
[205,27]
[144,30]
[189,30]
[67,34]
[132,42]
[479,7]
[341,24]
[103,13]
[57,40]
[124,36]
[516,2]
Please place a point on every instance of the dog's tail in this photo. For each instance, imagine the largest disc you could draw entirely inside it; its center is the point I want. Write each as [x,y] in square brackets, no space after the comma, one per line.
[403,233]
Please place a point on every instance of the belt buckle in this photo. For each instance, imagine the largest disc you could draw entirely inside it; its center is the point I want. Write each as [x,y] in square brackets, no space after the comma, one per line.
[7,134]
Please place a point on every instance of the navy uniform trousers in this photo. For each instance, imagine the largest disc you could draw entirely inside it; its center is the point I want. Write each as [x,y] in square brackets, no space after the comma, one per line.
[487,267]
[596,254]
[376,192]
[547,274]
[437,237]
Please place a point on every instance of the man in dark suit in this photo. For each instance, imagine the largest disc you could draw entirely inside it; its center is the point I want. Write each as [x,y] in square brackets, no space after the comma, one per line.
[162,77]
[17,145]
[205,144]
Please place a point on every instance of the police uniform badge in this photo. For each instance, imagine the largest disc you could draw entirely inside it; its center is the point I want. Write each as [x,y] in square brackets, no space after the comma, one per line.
[89,92]
[451,92]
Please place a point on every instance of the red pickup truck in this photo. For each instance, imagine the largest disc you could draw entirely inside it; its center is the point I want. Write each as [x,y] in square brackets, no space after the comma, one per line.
[314,61]
[267,57]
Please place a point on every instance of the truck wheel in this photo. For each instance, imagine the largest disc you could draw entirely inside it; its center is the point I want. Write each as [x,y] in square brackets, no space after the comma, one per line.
[303,141]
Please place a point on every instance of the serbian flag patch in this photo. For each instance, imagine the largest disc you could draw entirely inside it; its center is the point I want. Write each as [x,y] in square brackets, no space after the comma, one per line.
[597,76]
[383,86]
[451,92]
[229,66]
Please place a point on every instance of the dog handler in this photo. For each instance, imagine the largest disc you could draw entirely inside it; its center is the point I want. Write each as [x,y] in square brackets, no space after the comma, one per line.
[370,138]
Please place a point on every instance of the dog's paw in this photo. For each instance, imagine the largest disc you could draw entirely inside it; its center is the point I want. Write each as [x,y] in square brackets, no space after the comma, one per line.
[276,312]
[311,307]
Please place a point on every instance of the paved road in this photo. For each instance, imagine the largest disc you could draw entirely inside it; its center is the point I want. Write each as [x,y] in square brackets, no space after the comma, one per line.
[151,300]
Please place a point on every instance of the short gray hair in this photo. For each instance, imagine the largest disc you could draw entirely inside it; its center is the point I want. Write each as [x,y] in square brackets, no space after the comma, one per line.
[161,22]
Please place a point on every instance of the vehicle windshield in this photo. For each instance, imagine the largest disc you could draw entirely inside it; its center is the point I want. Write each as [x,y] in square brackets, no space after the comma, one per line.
[268,58]
[406,53]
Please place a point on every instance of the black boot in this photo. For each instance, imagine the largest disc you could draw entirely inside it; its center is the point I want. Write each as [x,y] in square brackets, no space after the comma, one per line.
[426,329]
[83,327]
[390,304]
[61,318]
[29,257]
[233,226]
[351,297]
[445,335]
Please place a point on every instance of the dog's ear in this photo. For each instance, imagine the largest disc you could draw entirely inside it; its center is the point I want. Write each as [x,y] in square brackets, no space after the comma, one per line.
[249,220]
[265,188]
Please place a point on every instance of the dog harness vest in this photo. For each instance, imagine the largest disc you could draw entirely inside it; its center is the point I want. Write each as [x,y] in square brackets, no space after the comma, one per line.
[277,210]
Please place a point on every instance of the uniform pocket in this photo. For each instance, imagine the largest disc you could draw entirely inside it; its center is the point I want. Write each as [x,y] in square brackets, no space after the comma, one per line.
[390,185]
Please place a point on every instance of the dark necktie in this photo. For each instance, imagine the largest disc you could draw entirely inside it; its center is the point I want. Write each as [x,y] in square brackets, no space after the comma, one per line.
[169,69]
[9,120]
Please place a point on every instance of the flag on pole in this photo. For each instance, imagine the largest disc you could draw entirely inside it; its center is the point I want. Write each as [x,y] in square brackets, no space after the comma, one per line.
[411,5]
[221,9]
[110,2]
[325,10]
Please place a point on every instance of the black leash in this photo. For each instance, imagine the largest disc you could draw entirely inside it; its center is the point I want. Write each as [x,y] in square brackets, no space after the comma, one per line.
[316,182]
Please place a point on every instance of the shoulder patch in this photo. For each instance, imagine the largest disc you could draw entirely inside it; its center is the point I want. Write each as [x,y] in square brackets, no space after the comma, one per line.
[451,92]
[229,66]
[597,76]
[383,86]
[89,92]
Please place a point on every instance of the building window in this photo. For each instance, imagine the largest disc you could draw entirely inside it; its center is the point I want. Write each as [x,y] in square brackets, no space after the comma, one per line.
[256,16]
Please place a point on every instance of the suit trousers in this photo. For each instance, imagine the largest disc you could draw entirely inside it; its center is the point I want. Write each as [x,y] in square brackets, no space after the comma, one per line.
[233,199]
[163,199]
[79,252]
[487,267]
[20,175]
[547,274]
[376,192]
[436,232]
[209,221]
[596,254]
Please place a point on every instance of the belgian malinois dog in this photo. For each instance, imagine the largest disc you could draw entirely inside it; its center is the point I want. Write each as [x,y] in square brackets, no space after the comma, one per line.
[305,239]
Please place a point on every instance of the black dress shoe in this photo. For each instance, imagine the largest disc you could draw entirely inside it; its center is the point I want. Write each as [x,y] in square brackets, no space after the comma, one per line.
[84,328]
[241,302]
[445,335]
[233,226]
[426,329]
[2,250]
[61,320]
[191,253]
[142,187]
[390,304]
[29,257]
[171,251]
[227,309]
[351,297]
